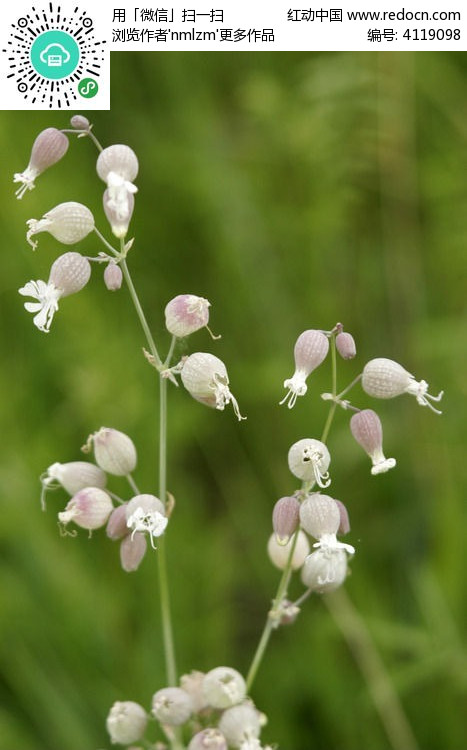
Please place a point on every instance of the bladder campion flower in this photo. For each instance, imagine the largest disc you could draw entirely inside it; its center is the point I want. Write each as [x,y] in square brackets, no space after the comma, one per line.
[68,223]
[114,451]
[48,148]
[145,513]
[90,509]
[310,350]
[309,460]
[68,275]
[205,378]
[126,722]
[384,378]
[368,432]
[186,314]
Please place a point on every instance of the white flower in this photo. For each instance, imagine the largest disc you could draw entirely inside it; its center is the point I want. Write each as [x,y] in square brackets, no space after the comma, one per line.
[47,296]
[149,521]
[119,196]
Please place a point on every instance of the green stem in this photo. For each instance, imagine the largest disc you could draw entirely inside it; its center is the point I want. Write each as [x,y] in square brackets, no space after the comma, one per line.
[332,410]
[132,484]
[140,313]
[380,687]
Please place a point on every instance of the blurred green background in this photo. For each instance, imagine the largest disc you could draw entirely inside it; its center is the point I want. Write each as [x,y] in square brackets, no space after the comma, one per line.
[293,190]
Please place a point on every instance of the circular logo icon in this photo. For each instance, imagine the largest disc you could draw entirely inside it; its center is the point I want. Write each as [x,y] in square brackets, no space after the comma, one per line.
[88,87]
[54,55]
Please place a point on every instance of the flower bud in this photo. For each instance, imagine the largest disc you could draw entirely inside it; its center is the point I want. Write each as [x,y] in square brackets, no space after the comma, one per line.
[223,687]
[113,276]
[208,739]
[279,553]
[344,525]
[75,476]
[285,518]
[68,222]
[79,122]
[309,460]
[89,509]
[172,706]
[325,570]
[345,345]
[116,525]
[114,451]
[132,550]
[384,378]
[319,515]
[240,724]
[118,211]
[48,148]
[186,314]
[70,273]
[120,160]
[368,432]
[192,684]
[310,350]
[126,722]
[205,378]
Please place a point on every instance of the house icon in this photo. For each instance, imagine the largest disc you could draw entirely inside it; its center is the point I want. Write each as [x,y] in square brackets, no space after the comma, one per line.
[54,55]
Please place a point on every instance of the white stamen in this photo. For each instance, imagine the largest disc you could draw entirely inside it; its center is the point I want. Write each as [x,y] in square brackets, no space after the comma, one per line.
[151,522]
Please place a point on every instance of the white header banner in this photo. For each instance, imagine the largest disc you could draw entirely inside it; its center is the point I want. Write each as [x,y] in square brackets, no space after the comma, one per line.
[55,54]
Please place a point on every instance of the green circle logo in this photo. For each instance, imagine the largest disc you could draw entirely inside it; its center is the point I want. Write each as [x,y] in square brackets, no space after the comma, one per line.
[54,55]
[88,87]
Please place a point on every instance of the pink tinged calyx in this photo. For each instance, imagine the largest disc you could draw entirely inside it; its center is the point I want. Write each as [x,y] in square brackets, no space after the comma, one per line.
[384,378]
[205,378]
[345,345]
[320,517]
[89,508]
[68,223]
[113,276]
[48,148]
[79,122]
[186,314]
[114,451]
[208,739]
[68,275]
[309,460]
[132,550]
[72,476]
[285,518]
[310,350]
[145,514]
[368,432]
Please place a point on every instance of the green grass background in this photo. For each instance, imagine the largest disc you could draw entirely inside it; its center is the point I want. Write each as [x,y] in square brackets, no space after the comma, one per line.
[293,191]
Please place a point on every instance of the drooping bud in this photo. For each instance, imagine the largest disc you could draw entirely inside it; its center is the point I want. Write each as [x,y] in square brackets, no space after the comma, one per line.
[114,451]
[118,212]
[344,525]
[132,550]
[48,148]
[68,275]
[116,525]
[319,515]
[309,460]
[285,518]
[89,509]
[208,739]
[145,514]
[192,684]
[279,553]
[126,722]
[223,687]
[79,122]
[310,350]
[325,570]
[186,314]
[384,378]
[172,706]
[368,432]
[241,725]
[345,345]
[205,378]
[113,276]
